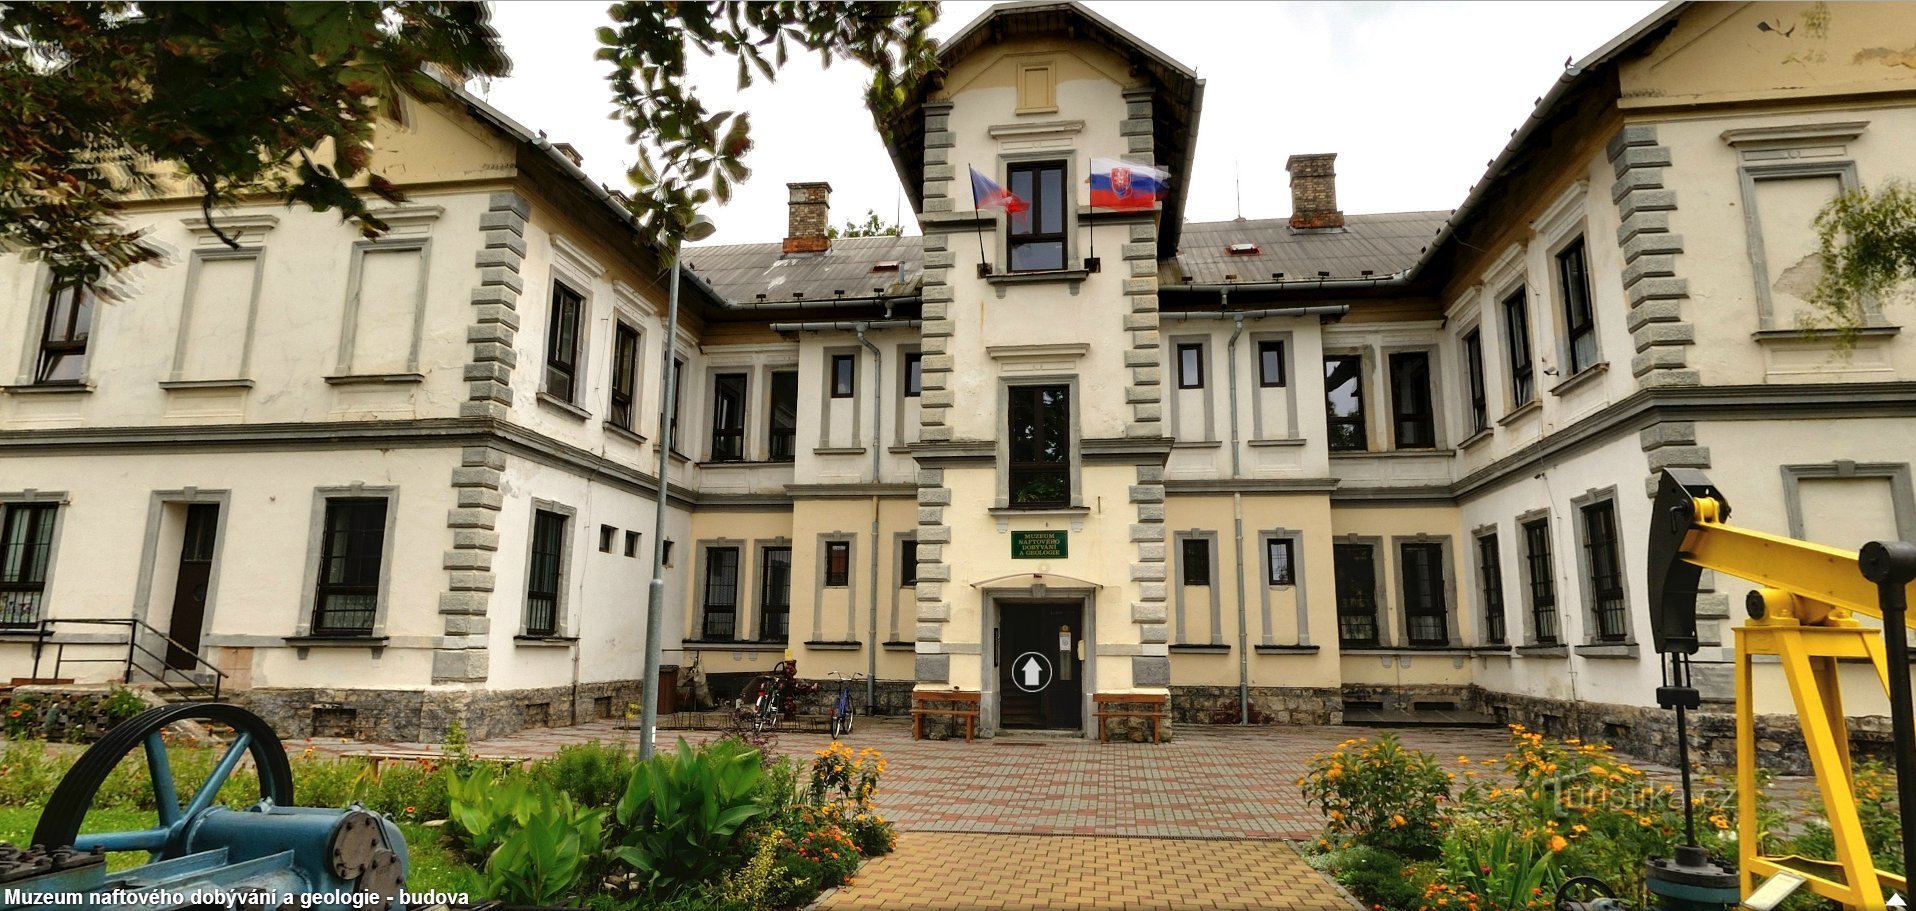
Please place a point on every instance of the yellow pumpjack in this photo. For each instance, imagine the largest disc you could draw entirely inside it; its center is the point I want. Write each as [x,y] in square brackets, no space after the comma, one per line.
[1804,614]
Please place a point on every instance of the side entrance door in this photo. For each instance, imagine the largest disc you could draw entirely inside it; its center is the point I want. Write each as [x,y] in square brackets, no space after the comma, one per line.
[1040,673]
[189,592]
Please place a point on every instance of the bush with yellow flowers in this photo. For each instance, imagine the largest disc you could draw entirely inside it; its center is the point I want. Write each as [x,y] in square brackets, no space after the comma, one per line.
[1378,794]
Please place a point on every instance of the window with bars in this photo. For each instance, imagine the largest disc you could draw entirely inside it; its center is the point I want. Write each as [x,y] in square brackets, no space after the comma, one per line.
[1543,587]
[721,594]
[838,564]
[775,596]
[1270,363]
[1190,366]
[782,435]
[1607,602]
[1490,575]
[1412,417]
[1426,613]
[26,548]
[1517,340]
[1356,580]
[63,339]
[1474,381]
[544,575]
[1039,442]
[352,547]
[844,376]
[907,563]
[1196,560]
[1279,554]
[625,377]
[562,343]
[1037,242]
[1344,402]
[728,417]
[1579,319]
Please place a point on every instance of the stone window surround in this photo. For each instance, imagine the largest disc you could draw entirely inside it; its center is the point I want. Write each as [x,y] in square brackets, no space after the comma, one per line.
[1176,392]
[61,503]
[1471,320]
[859,401]
[628,310]
[745,577]
[316,531]
[899,592]
[1453,628]
[1439,431]
[150,547]
[257,254]
[1177,585]
[850,586]
[899,355]
[757,601]
[1289,389]
[1002,499]
[1366,354]
[1479,603]
[751,438]
[1586,591]
[1902,492]
[1296,537]
[349,323]
[1509,275]
[1528,613]
[1561,223]
[1380,565]
[1069,157]
[563,625]
[36,331]
[1747,176]
[579,272]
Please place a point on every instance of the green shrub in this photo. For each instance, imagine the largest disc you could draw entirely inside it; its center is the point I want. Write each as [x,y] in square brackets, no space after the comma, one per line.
[1875,789]
[684,814]
[121,705]
[1379,794]
[1495,869]
[544,855]
[484,810]
[818,857]
[1377,877]
[594,774]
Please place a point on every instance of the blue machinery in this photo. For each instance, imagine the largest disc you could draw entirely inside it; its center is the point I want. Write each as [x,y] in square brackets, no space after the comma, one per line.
[268,857]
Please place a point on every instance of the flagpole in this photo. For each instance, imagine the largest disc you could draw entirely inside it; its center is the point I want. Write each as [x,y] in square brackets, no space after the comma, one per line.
[977,225]
[1091,224]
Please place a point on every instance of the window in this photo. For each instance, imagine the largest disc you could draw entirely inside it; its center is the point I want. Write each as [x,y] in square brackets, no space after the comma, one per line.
[26,547]
[838,564]
[721,593]
[1490,573]
[542,577]
[1039,440]
[844,376]
[1356,594]
[352,544]
[1425,613]
[631,543]
[1190,366]
[625,375]
[728,417]
[666,552]
[63,341]
[907,563]
[1543,589]
[1517,339]
[1474,379]
[783,433]
[1037,234]
[1196,558]
[562,343]
[775,595]
[914,374]
[1606,571]
[607,537]
[1278,565]
[1344,402]
[1270,363]
[1580,327]
[678,395]
[1412,418]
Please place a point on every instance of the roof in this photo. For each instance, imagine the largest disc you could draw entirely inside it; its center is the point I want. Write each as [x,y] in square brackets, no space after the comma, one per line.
[854,267]
[1378,244]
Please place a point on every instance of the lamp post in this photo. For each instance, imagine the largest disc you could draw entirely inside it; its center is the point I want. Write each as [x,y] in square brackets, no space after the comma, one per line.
[699,228]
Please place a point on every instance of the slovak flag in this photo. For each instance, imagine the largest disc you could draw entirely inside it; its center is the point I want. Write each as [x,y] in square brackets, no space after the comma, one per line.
[1118,184]
[986,194]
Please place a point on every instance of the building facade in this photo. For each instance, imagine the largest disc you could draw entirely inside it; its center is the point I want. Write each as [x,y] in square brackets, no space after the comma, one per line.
[1292,470]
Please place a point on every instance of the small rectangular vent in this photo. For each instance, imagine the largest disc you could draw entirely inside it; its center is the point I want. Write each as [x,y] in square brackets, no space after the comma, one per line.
[1242,249]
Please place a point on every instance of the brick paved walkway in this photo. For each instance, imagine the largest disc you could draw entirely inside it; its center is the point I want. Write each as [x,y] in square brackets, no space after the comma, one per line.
[947,871]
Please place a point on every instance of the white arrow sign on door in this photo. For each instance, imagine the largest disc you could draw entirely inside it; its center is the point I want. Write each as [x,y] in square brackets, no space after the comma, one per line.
[1031,672]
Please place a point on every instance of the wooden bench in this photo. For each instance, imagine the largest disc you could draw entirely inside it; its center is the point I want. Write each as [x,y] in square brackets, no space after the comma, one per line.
[1155,706]
[961,705]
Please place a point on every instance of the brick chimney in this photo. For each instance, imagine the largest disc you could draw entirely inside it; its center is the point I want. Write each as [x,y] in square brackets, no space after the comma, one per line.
[810,213]
[1314,191]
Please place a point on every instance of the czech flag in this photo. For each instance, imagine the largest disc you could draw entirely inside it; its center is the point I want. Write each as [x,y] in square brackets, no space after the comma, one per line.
[1117,184]
[986,194]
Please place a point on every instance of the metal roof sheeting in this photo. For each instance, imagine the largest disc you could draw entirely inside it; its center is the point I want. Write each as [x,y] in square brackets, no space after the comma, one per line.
[742,272]
[1382,244]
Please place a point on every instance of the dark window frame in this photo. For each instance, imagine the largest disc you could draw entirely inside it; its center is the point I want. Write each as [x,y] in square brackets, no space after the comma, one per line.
[1490,578]
[632,539]
[1274,574]
[608,538]
[844,376]
[1271,352]
[1425,594]
[1041,207]
[1544,628]
[1609,600]
[1039,482]
[838,564]
[1413,411]
[1356,437]
[914,374]
[339,520]
[781,434]
[565,318]
[728,426]
[624,395]
[678,399]
[1516,307]
[24,561]
[78,304]
[1479,400]
[1191,370]
[545,572]
[1357,605]
[908,563]
[773,603]
[719,558]
[1579,310]
[1195,568]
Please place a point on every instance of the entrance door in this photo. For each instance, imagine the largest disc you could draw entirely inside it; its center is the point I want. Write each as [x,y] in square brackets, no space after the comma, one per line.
[189,592]
[1040,674]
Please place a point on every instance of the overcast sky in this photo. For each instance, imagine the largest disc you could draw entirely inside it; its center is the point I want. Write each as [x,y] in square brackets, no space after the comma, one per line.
[1414,97]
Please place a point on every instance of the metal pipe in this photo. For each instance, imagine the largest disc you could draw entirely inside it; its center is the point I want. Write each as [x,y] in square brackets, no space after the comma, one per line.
[1237,527]
[863,325]
[1272,312]
[878,437]
[655,596]
[1892,565]
[888,301]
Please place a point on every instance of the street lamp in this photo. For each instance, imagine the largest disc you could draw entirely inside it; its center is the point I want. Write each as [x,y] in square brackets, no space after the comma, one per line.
[699,228]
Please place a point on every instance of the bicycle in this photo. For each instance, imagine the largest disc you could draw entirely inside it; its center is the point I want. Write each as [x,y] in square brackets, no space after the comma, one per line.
[765,706]
[842,709]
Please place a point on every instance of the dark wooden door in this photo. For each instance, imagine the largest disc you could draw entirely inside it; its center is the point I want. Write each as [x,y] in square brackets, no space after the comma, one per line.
[189,592]
[1040,676]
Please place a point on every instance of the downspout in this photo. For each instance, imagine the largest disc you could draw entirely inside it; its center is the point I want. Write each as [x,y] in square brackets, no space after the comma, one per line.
[878,439]
[1237,524]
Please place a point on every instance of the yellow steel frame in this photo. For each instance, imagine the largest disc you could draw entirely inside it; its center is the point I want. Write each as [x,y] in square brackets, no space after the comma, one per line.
[1809,625]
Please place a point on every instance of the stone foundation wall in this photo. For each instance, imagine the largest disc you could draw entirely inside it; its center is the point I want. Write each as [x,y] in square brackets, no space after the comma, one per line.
[1269,705]
[425,715]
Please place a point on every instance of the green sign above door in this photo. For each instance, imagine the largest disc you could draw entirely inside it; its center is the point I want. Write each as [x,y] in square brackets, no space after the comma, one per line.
[1038,545]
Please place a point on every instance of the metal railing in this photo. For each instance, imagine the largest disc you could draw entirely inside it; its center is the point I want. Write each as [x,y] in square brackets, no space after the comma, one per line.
[160,671]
